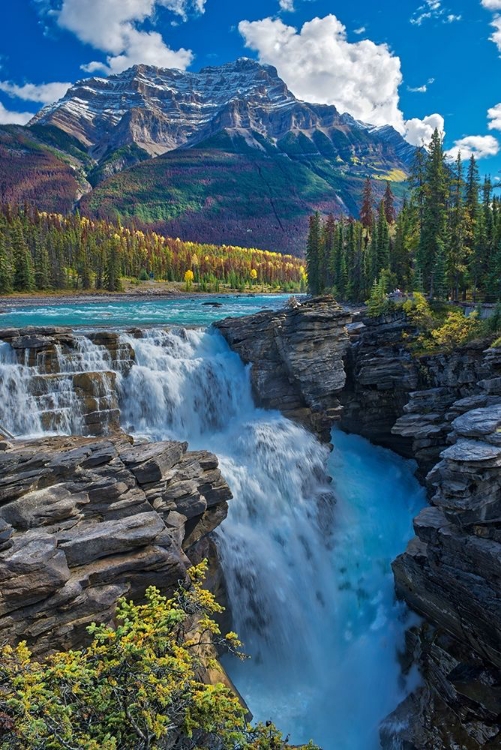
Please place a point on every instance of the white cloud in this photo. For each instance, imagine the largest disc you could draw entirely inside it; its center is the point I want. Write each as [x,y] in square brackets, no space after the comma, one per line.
[434,9]
[287,5]
[320,65]
[112,26]
[492,4]
[45,93]
[418,132]
[496,35]
[13,118]
[479,146]
[360,30]
[421,89]
[494,115]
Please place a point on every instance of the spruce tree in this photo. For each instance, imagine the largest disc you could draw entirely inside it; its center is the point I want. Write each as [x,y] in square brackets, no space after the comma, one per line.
[313,256]
[436,193]
[367,208]
[389,204]
[24,277]
[6,270]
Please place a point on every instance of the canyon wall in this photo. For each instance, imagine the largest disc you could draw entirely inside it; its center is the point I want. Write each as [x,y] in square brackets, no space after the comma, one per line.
[443,410]
[297,359]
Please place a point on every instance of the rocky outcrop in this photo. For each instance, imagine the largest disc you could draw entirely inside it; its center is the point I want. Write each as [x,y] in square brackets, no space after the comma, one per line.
[297,359]
[84,522]
[380,374]
[444,410]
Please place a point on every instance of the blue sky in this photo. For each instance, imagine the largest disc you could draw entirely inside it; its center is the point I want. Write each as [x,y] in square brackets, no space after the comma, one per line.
[411,63]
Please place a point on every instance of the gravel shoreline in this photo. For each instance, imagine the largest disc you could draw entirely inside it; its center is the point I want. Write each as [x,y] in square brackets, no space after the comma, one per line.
[10,302]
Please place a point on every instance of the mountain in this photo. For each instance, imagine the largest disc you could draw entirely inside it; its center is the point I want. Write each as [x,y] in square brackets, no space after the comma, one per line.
[226,155]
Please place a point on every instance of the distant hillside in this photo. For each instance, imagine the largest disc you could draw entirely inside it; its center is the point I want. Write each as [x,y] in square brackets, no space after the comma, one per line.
[226,155]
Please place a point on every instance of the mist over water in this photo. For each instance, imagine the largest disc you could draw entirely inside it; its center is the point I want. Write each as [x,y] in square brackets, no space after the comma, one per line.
[307,561]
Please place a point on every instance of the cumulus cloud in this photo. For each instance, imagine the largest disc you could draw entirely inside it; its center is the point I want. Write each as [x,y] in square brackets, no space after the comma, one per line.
[421,89]
[320,65]
[287,5]
[496,34]
[13,118]
[360,30]
[479,146]
[418,132]
[434,9]
[494,5]
[494,116]
[114,27]
[45,93]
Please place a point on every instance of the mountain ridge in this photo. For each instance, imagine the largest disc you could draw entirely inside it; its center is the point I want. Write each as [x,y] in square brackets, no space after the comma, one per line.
[188,153]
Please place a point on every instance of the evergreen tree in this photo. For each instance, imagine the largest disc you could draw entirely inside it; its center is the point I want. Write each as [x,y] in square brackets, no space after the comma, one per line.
[24,277]
[112,270]
[6,271]
[314,256]
[436,193]
[389,204]
[42,265]
[456,248]
[367,208]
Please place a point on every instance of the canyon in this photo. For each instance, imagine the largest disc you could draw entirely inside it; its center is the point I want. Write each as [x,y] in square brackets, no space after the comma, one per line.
[118,516]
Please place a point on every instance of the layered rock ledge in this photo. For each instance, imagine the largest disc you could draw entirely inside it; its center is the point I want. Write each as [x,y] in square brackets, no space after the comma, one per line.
[297,359]
[85,521]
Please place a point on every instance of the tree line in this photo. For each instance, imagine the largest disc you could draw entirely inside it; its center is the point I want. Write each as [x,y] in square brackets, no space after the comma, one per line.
[444,242]
[42,251]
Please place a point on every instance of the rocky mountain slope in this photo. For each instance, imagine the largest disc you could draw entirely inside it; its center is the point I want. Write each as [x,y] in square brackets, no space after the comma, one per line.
[227,155]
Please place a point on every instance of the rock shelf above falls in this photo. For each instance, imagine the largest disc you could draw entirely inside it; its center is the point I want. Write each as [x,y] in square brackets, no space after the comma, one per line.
[85,521]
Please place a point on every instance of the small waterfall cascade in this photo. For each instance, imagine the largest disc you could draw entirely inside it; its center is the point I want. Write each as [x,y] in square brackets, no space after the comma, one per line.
[306,560]
[66,388]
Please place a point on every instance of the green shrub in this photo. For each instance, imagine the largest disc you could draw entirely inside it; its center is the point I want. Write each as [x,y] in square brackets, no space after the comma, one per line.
[137,686]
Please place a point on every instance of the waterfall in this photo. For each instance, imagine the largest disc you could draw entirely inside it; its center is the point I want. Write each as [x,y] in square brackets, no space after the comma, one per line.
[306,561]
[45,397]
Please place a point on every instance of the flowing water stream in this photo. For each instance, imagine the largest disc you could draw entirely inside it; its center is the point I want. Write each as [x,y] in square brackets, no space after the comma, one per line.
[307,561]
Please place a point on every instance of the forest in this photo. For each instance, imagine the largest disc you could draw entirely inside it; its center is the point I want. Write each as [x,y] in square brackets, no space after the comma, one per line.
[42,251]
[445,242]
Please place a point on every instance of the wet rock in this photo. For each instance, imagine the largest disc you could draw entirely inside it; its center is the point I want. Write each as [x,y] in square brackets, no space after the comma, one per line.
[297,359]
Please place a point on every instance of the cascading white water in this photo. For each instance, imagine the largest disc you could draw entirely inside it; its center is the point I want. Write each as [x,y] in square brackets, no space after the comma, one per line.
[18,410]
[308,580]
[309,583]
[35,402]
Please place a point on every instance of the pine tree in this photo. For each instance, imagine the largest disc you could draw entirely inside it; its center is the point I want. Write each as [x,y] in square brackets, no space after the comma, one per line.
[6,271]
[367,208]
[42,265]
[389,204]
[313,256]
[112,270]
[382,240]
[436,193]
[24,277]
[456,250]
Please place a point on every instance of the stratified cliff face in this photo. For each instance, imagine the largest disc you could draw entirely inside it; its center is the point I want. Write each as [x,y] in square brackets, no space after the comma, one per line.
[444,410]
[297,359]
[85,521]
